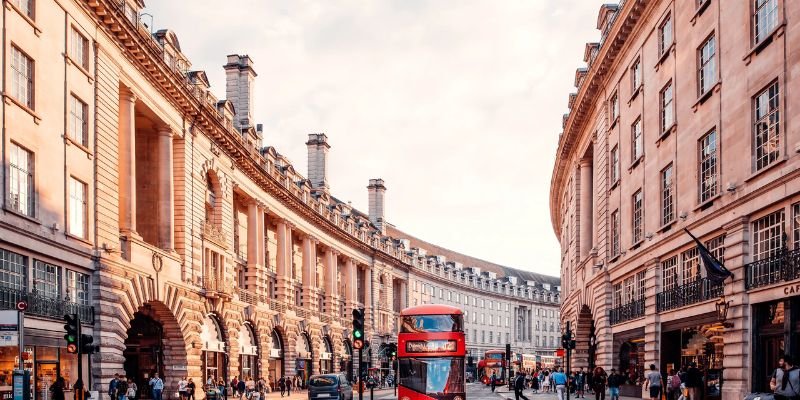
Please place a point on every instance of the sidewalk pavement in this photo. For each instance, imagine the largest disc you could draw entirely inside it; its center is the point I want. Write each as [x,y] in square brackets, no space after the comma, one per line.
[507,394]
[303,394]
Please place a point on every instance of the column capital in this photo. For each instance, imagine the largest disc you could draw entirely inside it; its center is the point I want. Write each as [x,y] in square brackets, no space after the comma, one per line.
[165,130]
[127,94]
[585,162]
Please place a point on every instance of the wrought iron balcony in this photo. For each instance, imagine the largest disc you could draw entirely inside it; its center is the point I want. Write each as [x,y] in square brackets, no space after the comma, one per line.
[693,292]
[782,267]
[627,312]
[46,307]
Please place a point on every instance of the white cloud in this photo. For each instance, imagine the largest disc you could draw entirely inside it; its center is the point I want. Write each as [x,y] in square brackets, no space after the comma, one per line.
[456,104]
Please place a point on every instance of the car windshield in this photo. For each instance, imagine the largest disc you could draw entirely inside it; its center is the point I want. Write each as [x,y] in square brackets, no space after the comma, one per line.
[433,376]
[322,381]
[431,323]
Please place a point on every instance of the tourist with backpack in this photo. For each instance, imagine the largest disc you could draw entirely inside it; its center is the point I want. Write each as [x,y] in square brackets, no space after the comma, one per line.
[787,381]
[673,385]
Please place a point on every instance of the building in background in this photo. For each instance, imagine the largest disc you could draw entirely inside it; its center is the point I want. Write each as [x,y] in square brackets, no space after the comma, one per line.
[137,199]
[683,118]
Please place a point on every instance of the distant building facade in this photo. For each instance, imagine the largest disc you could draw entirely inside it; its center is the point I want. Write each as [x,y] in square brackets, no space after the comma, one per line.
[683,118]
[136,199]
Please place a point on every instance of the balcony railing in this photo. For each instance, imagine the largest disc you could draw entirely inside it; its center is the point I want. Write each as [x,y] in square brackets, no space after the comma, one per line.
[779,268]
[46,307]
[693,292]
[250,297]
[627,312]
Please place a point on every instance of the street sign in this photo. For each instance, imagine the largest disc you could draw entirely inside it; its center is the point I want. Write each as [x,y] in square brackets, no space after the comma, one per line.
[560,353]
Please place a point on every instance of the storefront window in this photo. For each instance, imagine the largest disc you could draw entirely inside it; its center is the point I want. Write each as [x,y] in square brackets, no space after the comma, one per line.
[773,337]
[631,361]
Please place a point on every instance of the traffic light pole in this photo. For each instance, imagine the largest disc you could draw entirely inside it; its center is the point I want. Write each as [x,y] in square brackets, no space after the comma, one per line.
[360,378]
[569,353]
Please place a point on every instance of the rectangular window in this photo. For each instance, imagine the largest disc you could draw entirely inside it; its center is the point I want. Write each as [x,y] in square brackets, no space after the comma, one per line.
[614,159]
[767,126]
[640,281]
[12,270]
[78,287]
[21,186]
[78,208]
[617,295]
[638,216]
[79,48]
[78,121]
[768,235]
[26,6]
[669,268]
[22,77]
[637,149]
[765,19]
[707,167]
[667,195]
[665,35]
[615,233]
[690,266]
[46,279]
[707,73]
[613,106]
[636,75]
[667,111]
[716,247]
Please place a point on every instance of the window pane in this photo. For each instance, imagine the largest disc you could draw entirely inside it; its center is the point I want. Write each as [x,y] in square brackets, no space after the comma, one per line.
[21,193]
[12,270]
[78,287]
[77,208]
[767,126]
[708,166]
[46,279]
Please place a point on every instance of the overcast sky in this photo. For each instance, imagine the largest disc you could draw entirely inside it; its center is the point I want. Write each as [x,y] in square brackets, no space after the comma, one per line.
[457,105]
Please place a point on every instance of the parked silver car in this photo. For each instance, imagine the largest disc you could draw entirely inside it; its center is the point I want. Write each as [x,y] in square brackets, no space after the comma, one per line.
[329,387]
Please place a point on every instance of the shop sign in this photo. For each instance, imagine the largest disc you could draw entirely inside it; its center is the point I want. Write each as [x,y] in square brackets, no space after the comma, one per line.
[325,356]
[792,290]
[180,367]
[275,353]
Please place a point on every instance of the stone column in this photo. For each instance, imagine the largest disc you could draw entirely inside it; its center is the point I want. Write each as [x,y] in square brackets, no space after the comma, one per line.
[283,260]
[350,285]
[309,272]
[331,288]
[586,208]
[127,163]
[166,210]
[652,320]
[737,345]
[252,233]
[369,313]
[403,295]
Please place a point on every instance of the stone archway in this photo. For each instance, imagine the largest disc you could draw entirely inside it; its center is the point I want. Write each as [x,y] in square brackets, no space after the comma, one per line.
[277,354]
[304,356]
[326,356]
[346,359]
[213,343]
[584,332]
[154,344]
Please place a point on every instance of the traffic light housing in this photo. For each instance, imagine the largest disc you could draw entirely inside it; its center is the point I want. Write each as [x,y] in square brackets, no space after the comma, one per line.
[73,332]
[564,341]
[86,345]
[358,328]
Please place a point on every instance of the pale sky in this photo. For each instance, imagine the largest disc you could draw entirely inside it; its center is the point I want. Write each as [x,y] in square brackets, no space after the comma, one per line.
[457,105]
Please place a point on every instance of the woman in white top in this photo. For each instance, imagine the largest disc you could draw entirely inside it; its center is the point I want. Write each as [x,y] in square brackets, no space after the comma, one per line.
[546,383]
[182,385]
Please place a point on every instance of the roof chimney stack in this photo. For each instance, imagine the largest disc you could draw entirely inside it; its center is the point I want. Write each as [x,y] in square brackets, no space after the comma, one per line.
[239,79]
[318,160]
[377,194]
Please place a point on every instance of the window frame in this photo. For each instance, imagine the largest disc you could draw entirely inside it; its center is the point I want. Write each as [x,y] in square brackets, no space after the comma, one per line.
[30,12]
[30,78]
[15,171]
[637,216]
[82,137]
[772,119]
[636,76]
[615,232]
[615,168]
[79,41]
[704,84]
[83,204]
[664,45]
[759,38]
[705,192]
[666,107]
[613,107]
[637,141]
[668,194]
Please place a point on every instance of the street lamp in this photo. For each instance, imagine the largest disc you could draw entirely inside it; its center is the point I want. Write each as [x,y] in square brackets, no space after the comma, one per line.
[722,307]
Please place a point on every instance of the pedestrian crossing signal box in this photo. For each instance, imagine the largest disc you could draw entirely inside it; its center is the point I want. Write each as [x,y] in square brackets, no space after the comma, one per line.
[22,385]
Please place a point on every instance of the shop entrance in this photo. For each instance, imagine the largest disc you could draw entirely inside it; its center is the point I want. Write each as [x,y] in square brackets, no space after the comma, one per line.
[776,328]
[303,367]
[143,353]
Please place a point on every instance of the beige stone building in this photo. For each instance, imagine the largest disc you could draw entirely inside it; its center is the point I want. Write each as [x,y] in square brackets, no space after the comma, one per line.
[696,98]
[136,199]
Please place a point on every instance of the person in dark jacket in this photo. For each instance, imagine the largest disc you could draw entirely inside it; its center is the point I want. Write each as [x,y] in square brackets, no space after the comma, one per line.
[614,381]
[57,388]
[241,388]
[519,385]
[493,381]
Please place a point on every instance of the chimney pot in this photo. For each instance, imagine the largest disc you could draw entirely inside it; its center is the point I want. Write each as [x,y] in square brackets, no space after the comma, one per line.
[377,193]
[239,79]
[318,160]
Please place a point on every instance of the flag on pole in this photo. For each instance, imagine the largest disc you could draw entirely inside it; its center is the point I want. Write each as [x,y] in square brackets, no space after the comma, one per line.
[714,269]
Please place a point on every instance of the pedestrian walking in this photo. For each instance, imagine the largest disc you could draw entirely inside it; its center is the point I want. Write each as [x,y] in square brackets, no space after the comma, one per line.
[653,382]
[614,381]
[57,388]
[673,385]
[190,388]
[519,385]
[546,381]
[182,384]
[535,383]
[289,385]
[599,383]
[112,387]
[132,391]
[693,382]
[560,381]
[122,388]
[580,381]
[156,386]
[788,386]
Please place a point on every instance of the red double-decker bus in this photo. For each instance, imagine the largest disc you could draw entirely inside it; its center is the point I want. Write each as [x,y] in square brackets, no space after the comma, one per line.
[493,363]
[430,352]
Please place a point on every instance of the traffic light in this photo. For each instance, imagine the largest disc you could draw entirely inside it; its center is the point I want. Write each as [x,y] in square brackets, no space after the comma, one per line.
[86,345]
[564,341]
[73,335]
[391,349]
[508,351]
[358,328]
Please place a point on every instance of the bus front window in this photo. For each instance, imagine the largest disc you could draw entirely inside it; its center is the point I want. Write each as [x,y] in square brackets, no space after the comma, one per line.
[433,376]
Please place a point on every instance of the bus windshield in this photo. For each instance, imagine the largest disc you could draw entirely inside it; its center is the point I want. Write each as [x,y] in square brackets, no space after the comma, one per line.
[494,356]
[433,376]
[432,323]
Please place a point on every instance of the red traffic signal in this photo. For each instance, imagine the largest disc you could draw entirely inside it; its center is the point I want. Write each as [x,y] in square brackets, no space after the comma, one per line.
[22,305]
[358,344]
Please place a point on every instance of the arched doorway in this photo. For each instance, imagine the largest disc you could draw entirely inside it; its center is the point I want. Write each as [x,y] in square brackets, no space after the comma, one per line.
[303,367]
[248,352]
[144,353]
[276,369]
[346,360]
[215,359]
[326,357]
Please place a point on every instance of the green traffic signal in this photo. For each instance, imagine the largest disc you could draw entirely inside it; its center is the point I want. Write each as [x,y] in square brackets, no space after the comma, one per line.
[357,334]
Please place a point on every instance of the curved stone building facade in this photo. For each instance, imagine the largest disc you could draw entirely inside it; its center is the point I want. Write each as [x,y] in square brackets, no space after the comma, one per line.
[682,119]
[138,200]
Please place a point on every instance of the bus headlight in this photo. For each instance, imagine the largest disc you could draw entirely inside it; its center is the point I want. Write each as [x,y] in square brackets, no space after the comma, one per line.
[405,398]
[457,398]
